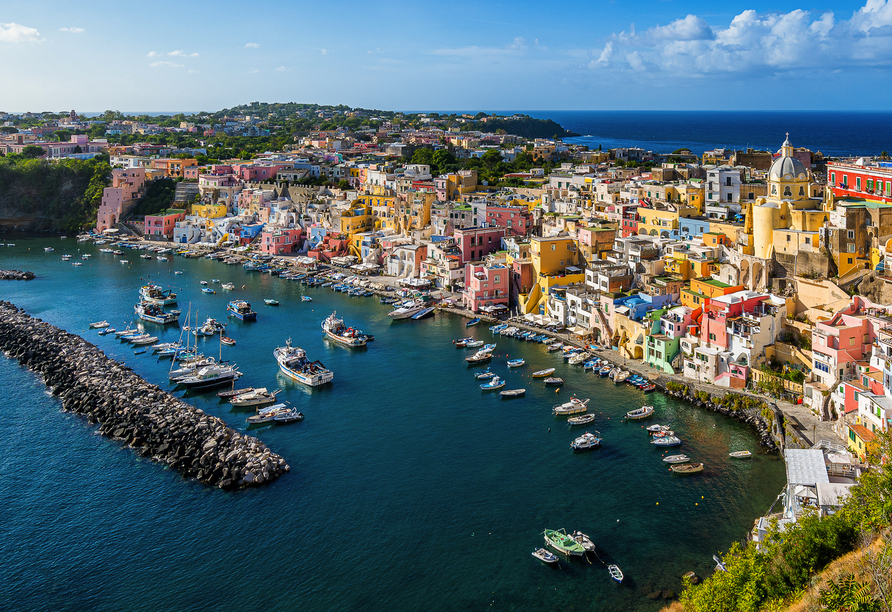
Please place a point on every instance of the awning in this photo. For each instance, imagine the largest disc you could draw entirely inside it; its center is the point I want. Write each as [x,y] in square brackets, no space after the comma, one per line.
[579,330]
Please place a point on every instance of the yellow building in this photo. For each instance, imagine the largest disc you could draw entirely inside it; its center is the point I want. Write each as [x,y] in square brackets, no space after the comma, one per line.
[662,221]
[703,288]
[358,218]
[209,211]
[550,258]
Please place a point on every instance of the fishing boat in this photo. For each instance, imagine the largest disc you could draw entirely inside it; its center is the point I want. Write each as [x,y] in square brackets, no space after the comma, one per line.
[554,381]
[293,363]
[553,347]
[257,398]
[621,376]
[687,468]
[271,302]
[545,556]
[563,543]
[656,428]
[578,358]
[335,329]
[640,413]
[474,344]
[543,373]
[154,313]
[98,325]
[472,322]
[227,286]
[234,392]
[584,541]
[512,393]
[515,363]
[462,342]
[288,416]
[241,309]
[582,419]
[208,290]
[676,459]
[487,373]
[227,341]
[210,376]
[586,441]
[266,416]
[744,454]
[615,572]
[665,441]
[479,357]
[574,406]
[492,385]
[306,298]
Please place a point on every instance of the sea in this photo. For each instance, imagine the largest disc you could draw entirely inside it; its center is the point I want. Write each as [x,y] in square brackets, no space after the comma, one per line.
[410,489]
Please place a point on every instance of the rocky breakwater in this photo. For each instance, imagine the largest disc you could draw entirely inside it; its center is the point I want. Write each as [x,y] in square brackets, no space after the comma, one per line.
[15,275]
[128,408]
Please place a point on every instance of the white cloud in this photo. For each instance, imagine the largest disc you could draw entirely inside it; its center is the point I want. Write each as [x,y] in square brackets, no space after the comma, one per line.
[753,42]
[192,71]
[179,53]
[324,51]
[165,64]
[374,51]
[17,33]
[72,30]
[253,71]
[153,54]
[252,45]
[280,69]
[515,47]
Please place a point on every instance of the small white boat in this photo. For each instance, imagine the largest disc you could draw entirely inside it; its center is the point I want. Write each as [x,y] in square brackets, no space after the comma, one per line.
[202,282]
[512,393]
[271,302]
[676,459]
[306,298]
[666,441]
[98,324]
[515,363]
[640,413]
[574,406]
[582,419]
[178,272]
[586,441]
[615,573]
[49,249]
[543,373]
[495,383]
[656,428]
[584,541]
[545,556]
[740,454]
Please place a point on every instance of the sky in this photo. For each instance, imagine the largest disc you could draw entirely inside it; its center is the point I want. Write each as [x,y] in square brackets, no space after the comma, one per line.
[93,56]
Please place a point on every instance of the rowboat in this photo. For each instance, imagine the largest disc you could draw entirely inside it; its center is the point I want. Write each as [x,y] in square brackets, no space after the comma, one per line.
[543,373]
[544,555]
[740,454]
[234,392]
[666,441]
[640,413]
[487,373]
[676,459]
[512,393]
[563,543]
[208,290]
[515,363]
[553,347]
[227,340]
[582,419]
[615,573]
[98,324]
[472,322]
[554,381]
[271,302]
[687,468]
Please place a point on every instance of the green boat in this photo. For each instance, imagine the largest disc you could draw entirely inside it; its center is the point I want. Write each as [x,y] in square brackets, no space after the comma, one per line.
[561,542]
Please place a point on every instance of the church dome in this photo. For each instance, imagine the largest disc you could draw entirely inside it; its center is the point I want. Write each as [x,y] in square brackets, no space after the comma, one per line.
[787,168]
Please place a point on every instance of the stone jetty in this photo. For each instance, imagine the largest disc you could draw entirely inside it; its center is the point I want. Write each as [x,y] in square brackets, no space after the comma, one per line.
[127,408]
[15,275]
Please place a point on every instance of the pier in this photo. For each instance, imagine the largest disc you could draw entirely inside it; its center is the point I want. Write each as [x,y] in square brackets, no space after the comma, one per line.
[127,408]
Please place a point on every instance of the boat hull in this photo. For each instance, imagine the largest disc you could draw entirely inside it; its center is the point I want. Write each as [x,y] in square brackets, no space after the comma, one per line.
[313,380]
[350,342]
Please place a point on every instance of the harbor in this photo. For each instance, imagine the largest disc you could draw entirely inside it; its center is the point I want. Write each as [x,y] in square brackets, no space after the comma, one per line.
[401,445]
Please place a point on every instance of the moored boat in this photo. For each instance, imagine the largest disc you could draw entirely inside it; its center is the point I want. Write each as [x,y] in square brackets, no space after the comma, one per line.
[98,325]
[584,541]
[744,454]
[156,295]
[582,419]
[563,543]
[336,330]
[586,441]
[487,373]
[271,302]
[293,363]
[512,393]
[666,441]
[241,309]
[615,572]
[515,363]
[640,413]
[554,381]
[676,459]
[687,468]
[472,322]
[479,357]
[254,399]
[574,406]
[544,555]
[154,313]
[492,385]
[543,373]
[208,290]
[227,340]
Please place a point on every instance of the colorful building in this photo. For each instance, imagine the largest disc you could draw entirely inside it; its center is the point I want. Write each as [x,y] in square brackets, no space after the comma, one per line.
[485,286]
[161,226]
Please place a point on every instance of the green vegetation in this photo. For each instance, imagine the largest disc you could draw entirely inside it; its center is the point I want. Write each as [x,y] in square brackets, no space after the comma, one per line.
[157,197]
[776,574]
[677,387]
[62,194]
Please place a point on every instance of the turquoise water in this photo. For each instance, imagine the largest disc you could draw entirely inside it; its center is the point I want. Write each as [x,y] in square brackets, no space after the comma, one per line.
[410,489]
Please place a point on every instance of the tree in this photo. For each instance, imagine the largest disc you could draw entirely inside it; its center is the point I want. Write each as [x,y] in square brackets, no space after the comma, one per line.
[33,152]
[344,185]
[491,158]
[62,135]
[8,129]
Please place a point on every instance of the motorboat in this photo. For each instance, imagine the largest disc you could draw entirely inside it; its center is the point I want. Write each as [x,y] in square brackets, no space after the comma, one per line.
[335,329]
[208,290]
[605,370]
[287,416]
[306,298]
[293,363]
[515,363]
[648,387]
[256,398]
[227,340]
[487,373]
[406,310]
[234,392]
[241,309]
[488,348]
[472,322]
[463,342]
[144,341]
[474,344]
[554,381]
[574,406]
[553,347]
[640,413]
[266,416]
[744,454]
[543,373]
[424,312]
[656,428]
[586,441]
[582,419]
[621,376]
[563,543]
[687,468]
[210,376]
[615,572]
[545,556]
[479,357]
[202,282]
[579,358]
[676,459]
[98,325]
[666,441]
[271,302]
[492,385]
[584,540]
[227,286]
[512,393]
[106,331]
[154,313]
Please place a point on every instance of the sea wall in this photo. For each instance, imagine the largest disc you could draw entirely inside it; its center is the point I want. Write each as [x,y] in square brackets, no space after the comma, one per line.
[127,408]
[15,275]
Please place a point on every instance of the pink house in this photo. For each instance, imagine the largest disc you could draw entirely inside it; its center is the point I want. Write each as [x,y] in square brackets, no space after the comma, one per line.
[485,286]
[119,199]
[161,226]
[517,220]
[280,240]
[477,242]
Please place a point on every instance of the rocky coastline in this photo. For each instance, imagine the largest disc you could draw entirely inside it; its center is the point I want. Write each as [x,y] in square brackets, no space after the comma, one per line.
[16,275]
[127,408]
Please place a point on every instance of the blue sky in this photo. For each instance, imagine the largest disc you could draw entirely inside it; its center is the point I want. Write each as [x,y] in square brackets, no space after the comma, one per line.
[614,55]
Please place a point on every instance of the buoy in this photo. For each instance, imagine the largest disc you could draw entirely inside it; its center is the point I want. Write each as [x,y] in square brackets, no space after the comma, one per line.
[658,503]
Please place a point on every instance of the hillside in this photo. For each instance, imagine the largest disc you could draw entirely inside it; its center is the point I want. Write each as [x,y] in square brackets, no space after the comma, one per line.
[38,195]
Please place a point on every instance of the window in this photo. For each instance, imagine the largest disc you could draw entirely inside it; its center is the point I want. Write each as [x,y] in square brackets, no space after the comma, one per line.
[850,248]
[553,247]
[858,183]
[807,240]
[788,237]
[851,234]
[712,336]
[833,178]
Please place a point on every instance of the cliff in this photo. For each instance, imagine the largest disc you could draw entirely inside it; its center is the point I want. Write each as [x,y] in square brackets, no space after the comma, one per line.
[64,195]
